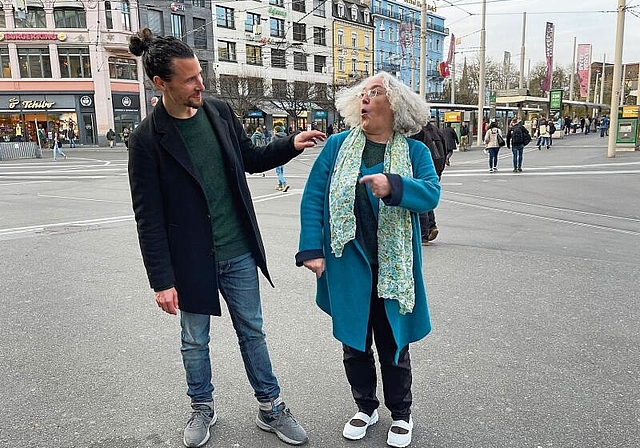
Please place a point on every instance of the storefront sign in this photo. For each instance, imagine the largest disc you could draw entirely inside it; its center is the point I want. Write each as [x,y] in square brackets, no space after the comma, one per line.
[30,104]
[555,100]
[33,36]
[86,101]
[277,12]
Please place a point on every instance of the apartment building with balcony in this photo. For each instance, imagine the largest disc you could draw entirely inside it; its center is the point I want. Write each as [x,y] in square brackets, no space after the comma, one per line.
[275,57]
[353,41]
[397,43]
[65,67]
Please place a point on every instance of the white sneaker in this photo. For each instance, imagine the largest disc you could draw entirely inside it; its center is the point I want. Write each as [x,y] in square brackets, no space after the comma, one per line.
[353,432]
[400,440]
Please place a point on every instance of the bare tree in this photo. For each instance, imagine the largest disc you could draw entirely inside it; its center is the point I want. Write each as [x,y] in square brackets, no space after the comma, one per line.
[243,93]
[292,97]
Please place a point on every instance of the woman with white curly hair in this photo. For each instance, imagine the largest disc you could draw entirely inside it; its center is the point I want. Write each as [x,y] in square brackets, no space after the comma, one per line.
[360,235]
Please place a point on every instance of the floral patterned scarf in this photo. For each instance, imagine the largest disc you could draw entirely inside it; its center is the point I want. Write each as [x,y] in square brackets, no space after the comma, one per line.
[395,248]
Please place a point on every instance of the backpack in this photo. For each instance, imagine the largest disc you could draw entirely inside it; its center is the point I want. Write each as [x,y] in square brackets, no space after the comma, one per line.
[552,127]
[526,137]
[517,135]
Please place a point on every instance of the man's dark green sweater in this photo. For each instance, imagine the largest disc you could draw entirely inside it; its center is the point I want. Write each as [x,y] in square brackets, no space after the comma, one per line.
[229,234]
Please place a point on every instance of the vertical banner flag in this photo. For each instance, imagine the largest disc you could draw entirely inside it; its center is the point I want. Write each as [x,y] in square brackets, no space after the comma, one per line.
[584,62]
[548,45]
[443,67]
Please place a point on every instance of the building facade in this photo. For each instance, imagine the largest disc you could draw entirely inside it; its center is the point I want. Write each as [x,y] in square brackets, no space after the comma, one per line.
[397,43]
[65,67]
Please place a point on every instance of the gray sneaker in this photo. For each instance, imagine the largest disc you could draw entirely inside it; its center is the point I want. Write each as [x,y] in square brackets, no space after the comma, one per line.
[280,421]
[203,416]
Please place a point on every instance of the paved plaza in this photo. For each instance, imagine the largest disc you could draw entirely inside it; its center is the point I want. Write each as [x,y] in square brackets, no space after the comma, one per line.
[532,282]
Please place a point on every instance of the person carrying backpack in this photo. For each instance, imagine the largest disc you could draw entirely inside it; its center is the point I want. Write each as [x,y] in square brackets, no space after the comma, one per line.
[517,138]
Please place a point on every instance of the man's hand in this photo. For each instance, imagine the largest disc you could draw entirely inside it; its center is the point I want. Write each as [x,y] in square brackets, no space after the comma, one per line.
[378,183]
[315,265]
[307,139]
[168,300]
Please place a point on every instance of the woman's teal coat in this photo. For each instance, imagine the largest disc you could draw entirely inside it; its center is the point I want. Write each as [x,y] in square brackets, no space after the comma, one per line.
[344,289]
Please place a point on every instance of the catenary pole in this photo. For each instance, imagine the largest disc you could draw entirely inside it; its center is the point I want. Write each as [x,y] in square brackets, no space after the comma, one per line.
[573,70]
[615,90]
[604,66]
[522,50]
[481,80]
[423,48]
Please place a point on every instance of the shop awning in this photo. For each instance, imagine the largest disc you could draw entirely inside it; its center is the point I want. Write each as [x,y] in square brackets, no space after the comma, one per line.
[272,110]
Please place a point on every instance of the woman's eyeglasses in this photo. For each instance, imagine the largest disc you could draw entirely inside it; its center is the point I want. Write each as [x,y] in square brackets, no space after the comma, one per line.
[370,93]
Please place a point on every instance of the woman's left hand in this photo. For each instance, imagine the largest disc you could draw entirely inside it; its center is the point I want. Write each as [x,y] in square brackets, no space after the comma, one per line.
[378,183]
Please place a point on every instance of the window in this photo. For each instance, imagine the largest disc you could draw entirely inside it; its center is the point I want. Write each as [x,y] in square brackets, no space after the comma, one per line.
[108,15]
[74,62]
[229,86]
[401,13]
[390,33]
[437,44]
[341,64]
[279,3]
[177,26]
[3,23]
[381,29]
[70,16]
[319,36]
[366,68]
[340,9]
[278,58]
[34,17]
[319,64]
[354,65]
[318,8]
[277,27]
[254,55]
[155,22]
[5,67]
[300,32]
[121,68]
[278,88]
[125,9]
[252,20]
[354,13]
[227,51]
[354,40]
[34,62]
[199,3]
[301,90]
[340,37]
[204,74]
[224,17]
[320,91]
[367,42]
[367,16]
[255,87]
[298,5]
[299,61]
[199,33]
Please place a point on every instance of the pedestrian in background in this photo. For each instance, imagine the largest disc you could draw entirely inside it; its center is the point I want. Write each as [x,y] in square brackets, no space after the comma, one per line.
[57,146]
[464,137]
[197,227]
[258,138]
[517,138]
[451,142]
[111,137]
[282,181]
[360,236]
[433,138]
[492,145]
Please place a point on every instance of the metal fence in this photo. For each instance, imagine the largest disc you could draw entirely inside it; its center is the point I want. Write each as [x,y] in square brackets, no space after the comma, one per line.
[19,150]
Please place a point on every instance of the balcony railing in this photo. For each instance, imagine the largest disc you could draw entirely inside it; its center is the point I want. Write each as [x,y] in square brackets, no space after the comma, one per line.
[388,67]
[416,19]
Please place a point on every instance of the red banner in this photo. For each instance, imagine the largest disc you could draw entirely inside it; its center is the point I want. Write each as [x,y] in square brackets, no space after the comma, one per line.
[582,67]
[548,45]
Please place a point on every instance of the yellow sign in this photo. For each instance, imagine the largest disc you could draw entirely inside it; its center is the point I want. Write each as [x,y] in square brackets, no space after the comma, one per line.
[452,117]
[630,111]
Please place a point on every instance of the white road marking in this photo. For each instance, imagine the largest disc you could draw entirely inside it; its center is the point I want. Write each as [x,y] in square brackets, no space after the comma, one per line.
[75,198]
[83,223]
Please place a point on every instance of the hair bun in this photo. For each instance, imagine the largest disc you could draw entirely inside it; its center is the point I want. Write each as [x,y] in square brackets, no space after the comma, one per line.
[141,41]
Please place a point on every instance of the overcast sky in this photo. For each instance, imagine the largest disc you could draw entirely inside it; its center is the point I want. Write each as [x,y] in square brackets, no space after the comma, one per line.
[590,21]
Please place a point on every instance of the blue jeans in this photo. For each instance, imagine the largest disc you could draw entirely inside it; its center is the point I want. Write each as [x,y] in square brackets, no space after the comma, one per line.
[238,283]
[280,173]
[57,150]
[517,151]
[493,157]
